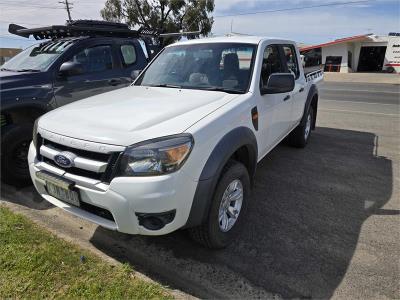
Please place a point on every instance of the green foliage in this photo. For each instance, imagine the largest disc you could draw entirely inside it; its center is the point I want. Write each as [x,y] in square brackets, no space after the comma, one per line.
[35,264]
[162,15]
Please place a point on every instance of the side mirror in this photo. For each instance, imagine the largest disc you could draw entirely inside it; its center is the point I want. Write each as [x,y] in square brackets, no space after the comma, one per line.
[279,83]
[135,74]
[70,68]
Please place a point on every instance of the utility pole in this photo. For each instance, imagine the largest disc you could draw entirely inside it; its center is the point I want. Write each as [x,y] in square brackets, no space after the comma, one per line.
[68,8]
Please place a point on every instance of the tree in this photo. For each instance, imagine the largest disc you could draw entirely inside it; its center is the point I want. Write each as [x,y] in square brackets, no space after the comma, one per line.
[162,15]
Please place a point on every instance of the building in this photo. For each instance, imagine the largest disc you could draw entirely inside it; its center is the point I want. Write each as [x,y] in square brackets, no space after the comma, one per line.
[361,53]
[7,53]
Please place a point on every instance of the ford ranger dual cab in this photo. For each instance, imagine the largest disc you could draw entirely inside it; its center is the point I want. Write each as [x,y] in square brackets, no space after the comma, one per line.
[179,147]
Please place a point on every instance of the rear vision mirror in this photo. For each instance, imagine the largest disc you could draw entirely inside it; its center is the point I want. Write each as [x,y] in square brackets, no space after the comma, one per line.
[279,83]
[70,68]
[135,74]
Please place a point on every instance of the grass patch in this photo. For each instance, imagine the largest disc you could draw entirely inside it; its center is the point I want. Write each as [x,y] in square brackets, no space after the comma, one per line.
[36,264]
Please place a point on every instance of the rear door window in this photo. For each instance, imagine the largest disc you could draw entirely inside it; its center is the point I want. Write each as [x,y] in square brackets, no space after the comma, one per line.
[128,53]
[289,51]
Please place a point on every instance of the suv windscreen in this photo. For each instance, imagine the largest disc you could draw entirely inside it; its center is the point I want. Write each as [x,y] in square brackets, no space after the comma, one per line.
[37,57]
[212,66]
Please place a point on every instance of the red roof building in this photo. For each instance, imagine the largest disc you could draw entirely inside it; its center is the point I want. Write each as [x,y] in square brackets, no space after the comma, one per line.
[360,53]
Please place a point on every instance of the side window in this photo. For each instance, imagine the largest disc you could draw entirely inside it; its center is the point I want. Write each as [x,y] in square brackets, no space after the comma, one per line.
[94,59]
[291,60]
[271,64]
[128,54]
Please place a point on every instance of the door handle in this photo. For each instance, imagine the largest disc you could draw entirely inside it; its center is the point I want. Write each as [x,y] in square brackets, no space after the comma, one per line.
[301,90]
[114,82]
[286,98]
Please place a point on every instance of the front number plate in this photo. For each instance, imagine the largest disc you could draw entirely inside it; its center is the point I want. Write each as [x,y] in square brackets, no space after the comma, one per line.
[60,188]
[66,195]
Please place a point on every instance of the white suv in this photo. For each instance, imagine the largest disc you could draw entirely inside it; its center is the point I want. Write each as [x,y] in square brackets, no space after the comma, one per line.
[178,148]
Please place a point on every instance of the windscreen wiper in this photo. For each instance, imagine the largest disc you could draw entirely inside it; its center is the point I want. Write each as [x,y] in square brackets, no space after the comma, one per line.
[166,85]
[222,89]
[28,70]
[5,69]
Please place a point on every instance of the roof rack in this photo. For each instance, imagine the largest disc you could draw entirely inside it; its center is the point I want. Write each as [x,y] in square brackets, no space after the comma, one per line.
[81,28]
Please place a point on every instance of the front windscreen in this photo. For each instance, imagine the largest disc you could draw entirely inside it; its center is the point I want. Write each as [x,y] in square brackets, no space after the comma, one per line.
[209,66]
[37,57]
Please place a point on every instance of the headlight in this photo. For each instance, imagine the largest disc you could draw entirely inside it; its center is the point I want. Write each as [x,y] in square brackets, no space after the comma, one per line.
[34,133]
[156,157]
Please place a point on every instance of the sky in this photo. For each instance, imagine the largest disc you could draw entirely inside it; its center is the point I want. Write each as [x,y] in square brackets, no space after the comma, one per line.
[298,20]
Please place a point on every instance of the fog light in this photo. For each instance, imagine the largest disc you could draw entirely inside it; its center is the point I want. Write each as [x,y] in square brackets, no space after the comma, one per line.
[155,221]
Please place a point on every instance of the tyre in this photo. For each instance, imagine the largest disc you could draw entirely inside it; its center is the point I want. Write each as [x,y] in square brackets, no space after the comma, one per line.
[15,140]
[390,70]
[300,136]
[228,208]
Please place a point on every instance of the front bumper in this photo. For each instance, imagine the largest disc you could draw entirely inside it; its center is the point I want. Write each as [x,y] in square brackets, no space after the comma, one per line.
[125,197]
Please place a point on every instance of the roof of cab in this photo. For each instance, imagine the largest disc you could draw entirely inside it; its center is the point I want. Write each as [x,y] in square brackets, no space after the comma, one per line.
[250,39]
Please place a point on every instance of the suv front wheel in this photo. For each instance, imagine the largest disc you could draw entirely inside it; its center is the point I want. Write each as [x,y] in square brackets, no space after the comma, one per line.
[15,140]
[228,208]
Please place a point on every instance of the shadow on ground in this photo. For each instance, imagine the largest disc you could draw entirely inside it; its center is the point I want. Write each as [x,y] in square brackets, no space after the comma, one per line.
[26,196]
[302,230]
[304,223]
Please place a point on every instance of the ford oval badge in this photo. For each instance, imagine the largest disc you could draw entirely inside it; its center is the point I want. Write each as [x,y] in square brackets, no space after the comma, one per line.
[65,159]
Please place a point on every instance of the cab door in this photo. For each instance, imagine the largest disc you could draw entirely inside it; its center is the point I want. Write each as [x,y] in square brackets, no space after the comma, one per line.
[99,74]
[274,110]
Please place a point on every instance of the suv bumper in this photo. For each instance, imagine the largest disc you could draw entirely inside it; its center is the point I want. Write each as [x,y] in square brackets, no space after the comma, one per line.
[126,198]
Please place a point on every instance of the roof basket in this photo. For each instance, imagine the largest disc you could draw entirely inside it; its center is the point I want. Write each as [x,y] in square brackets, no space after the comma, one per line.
[80,28]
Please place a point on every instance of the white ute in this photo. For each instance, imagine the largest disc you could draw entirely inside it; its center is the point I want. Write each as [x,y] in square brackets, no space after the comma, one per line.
[178,148]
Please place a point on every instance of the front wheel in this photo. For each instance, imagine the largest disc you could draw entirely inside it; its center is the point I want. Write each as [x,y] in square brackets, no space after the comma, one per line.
[15,140]
[228,208]
[300,136]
